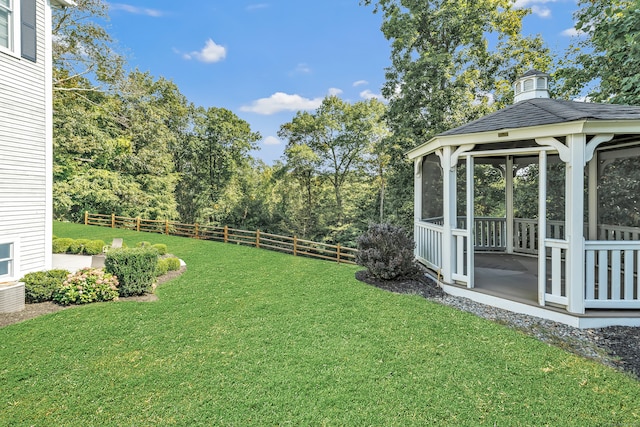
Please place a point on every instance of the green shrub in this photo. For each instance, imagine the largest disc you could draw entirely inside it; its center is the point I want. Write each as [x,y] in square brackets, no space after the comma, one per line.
[386,251]
[162,267]
[61,245]
[173,263]
[135,269]
[77,246]
[161,248]
[40,285]
[94,247]
[143,244]
[85,286]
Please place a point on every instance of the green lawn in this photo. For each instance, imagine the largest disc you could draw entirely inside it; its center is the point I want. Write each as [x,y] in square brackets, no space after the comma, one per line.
[252,337]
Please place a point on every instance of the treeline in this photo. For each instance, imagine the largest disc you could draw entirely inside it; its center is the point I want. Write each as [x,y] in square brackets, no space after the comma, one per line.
[129,143]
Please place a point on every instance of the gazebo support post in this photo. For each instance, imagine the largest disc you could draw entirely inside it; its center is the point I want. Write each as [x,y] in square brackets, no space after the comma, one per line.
[449,214]
[470,222]
[542,227]
[593,197]
[508,174]
[417,190]
[574,220]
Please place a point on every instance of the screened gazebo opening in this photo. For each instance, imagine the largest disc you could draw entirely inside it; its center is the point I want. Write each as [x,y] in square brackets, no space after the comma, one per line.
[432,191]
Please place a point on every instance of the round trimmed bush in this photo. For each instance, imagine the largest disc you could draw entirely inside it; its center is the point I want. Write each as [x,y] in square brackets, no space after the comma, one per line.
[40,285]
[173,263]
[77,246]
[61,245]
[386,251]
[161,248]
[162,267]
[93,247]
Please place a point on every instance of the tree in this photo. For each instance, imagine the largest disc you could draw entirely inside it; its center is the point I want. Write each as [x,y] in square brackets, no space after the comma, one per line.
[83,49]
[339,134]
[444,74]
[302,164]
[605,65]
[216,149]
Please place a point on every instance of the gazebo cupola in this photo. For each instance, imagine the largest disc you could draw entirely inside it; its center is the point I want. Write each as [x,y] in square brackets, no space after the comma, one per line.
[532,84]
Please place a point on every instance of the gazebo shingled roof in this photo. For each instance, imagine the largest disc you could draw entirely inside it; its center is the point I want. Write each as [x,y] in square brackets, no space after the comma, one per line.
[545,111]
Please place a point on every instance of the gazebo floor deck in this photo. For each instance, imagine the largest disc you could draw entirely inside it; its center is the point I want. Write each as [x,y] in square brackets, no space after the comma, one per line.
[515,278]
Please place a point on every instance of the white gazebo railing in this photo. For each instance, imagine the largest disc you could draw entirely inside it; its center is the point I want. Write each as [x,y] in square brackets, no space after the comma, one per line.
[555,286]
[428,238]
[611,274]
[612,264]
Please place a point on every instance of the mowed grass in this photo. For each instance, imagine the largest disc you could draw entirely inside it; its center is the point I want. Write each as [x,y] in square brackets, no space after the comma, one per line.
[252,337]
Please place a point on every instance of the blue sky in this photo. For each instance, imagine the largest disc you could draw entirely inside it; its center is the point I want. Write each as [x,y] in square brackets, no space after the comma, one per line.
[267,59]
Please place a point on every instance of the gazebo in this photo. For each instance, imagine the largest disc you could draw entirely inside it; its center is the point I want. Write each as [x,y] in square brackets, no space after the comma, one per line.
[572,268]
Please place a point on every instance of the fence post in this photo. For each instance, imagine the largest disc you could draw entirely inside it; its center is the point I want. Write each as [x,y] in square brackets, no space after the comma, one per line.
[113,220]
[338,253]
[166,226]
[86,217]
[295,246]
[197,230]
[226,234]
[138,224]
[257,238]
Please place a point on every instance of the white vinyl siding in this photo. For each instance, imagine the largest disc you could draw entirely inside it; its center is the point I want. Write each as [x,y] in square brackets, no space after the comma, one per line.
[24,188]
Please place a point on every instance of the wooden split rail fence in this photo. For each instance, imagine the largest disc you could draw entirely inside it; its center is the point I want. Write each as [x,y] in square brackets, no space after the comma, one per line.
[286,244]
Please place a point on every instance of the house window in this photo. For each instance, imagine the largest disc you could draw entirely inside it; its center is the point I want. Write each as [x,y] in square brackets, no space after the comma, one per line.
[18,28]
[6,21]
[6,260]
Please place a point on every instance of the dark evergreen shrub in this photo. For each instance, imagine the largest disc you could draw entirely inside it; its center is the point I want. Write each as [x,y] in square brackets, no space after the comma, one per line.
[386,251]
[135,269]
[40,285]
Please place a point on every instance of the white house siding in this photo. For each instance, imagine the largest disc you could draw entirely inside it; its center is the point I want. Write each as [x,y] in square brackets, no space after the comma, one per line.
[24,188]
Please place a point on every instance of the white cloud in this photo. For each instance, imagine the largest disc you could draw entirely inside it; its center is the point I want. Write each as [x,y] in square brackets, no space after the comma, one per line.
[301,68]
[136,10]
[360,83]
[572,32]
[272,140]
[211,52]
[367,94]
[256,6]
[333,91]
[279,102]
[541,11]
[536,6]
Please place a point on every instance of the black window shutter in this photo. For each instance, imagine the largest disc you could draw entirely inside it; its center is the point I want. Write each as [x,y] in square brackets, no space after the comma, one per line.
[28,29]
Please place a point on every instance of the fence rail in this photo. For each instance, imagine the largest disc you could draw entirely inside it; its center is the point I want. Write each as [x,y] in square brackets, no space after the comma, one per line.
[285,244]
